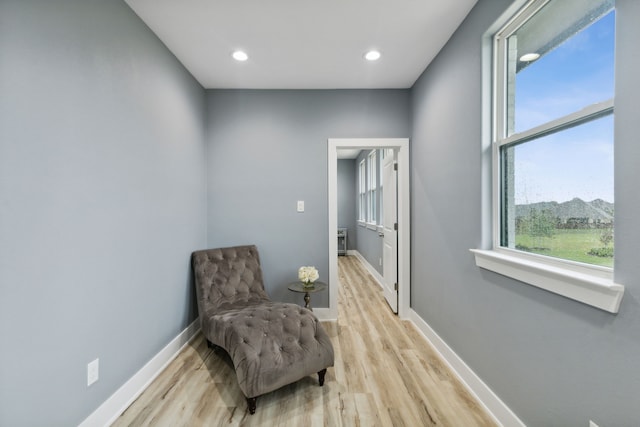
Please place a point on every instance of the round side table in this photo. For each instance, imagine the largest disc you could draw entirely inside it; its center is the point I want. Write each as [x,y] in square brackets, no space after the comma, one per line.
[300,287]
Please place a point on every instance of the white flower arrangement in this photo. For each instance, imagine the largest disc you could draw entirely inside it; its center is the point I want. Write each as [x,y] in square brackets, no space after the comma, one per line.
[308,275]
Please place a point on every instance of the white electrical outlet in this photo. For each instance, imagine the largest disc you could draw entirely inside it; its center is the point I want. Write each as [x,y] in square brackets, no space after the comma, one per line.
[93,372]
[300,205]
[592,424]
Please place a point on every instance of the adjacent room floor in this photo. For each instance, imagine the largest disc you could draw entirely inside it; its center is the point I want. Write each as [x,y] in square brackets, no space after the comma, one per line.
[386,374]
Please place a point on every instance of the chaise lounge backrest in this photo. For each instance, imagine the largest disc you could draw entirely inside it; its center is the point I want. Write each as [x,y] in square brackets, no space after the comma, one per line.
[228,278]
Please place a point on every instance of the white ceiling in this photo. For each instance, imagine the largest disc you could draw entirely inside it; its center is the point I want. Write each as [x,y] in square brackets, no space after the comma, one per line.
[304,44]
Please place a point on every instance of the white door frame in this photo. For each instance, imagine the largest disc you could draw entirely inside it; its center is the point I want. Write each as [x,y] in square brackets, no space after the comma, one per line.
[404,246]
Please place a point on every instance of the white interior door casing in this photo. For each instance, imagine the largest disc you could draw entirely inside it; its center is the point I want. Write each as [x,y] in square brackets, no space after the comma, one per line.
[401,147]
[389,225]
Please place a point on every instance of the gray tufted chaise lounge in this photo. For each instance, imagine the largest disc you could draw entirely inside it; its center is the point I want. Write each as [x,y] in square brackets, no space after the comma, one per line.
[271,344]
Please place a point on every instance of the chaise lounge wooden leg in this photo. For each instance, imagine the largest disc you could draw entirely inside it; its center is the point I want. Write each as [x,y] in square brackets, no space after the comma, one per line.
[321,375]
[251,403]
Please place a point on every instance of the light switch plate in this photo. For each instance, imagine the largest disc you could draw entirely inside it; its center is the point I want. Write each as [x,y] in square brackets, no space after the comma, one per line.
[300,205]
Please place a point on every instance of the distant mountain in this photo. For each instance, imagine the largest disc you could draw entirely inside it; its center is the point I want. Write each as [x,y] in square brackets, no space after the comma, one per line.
[597,209]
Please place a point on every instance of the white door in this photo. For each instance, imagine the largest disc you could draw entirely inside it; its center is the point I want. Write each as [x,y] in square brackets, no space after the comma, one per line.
[390,229]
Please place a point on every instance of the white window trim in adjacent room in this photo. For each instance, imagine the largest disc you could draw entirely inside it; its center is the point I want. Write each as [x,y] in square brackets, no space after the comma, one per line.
[592,285]
[362,193]
[372,190]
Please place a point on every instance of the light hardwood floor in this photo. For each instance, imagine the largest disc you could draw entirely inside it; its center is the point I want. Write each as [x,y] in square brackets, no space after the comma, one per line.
[385,374]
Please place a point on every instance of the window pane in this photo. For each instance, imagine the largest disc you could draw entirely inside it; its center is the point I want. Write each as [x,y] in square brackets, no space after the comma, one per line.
[575,43]
[557,194]
[372,185]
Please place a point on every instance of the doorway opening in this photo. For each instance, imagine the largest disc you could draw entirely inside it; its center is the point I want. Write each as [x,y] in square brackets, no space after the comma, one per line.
[401,148]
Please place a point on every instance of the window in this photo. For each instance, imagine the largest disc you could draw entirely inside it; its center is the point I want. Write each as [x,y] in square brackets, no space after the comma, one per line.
[554,131]
[372,186]
[553,142]
[362,191]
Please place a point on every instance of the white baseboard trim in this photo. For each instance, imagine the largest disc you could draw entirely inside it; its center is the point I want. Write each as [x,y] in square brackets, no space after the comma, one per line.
[119,401]
[377,276]
[487,398]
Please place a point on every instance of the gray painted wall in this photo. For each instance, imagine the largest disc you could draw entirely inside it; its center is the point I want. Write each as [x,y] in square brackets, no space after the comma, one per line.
[102,200]
[554,361]
[268,149]
[370,246]
[347,200]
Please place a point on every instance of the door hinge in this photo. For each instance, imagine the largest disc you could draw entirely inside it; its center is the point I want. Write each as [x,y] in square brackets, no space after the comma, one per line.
[395,166]
[395,226]
[395,286]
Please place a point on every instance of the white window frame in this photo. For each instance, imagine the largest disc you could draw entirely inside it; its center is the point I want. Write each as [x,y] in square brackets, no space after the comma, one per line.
[592,285]
[372,186]
[362,192]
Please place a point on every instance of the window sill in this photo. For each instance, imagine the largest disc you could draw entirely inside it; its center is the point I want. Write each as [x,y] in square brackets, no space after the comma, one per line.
[372,226]
[361,223]
[600,292]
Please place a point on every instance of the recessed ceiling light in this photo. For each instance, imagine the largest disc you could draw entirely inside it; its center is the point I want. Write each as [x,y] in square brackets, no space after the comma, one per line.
[372,55]
[239,55]
[529,57]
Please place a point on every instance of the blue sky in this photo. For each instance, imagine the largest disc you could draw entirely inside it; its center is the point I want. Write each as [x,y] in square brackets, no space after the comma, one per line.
[577,162]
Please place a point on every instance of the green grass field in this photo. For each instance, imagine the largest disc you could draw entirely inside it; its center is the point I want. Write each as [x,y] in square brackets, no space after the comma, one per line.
[568,244]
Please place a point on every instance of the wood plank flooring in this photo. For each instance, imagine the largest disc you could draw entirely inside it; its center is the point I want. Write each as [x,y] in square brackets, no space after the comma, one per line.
[385,374]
